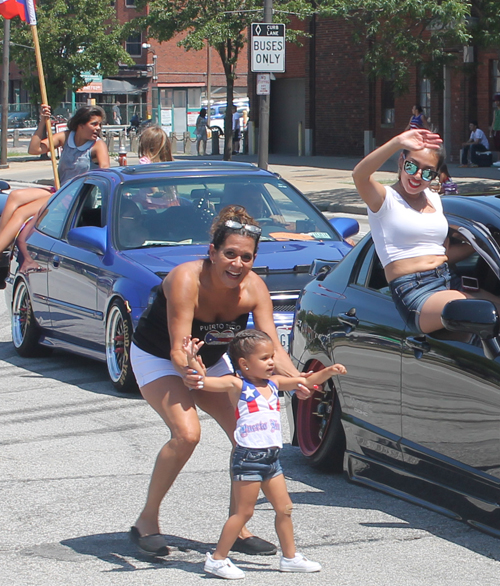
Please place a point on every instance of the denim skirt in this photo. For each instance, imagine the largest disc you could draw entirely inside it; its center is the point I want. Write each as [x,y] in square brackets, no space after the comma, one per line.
[410,292]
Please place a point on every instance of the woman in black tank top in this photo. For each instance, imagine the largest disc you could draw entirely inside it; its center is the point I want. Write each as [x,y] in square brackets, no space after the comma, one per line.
[209,299]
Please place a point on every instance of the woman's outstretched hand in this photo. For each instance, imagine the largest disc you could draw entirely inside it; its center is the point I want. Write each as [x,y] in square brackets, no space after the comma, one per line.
[418,139]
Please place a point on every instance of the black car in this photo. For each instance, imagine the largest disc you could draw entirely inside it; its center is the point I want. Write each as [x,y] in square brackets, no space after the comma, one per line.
[417,415]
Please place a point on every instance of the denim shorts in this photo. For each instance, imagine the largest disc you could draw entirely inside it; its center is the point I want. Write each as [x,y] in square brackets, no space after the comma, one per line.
[256,464]
[410,292]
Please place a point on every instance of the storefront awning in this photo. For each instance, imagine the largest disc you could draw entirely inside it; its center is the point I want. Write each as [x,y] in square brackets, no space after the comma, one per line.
[121,86]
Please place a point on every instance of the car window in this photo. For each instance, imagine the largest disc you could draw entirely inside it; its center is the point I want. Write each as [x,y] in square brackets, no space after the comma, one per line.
[172,212]
[53,219]
[92,211]
[371,273]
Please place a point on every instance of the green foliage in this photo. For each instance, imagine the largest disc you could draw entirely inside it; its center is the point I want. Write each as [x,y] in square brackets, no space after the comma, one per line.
[221,23]
[402,33]
[75,37]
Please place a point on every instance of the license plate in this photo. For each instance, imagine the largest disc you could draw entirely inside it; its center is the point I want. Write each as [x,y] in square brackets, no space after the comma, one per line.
[284,335]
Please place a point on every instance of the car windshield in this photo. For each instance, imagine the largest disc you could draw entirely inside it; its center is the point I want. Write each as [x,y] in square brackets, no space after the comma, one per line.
[171,212]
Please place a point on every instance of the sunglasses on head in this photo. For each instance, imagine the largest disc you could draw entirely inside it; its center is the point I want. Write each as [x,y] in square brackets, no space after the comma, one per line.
[234,225]
[427,174]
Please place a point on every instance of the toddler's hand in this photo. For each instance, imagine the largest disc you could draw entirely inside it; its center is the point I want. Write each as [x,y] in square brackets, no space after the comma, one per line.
[339,369]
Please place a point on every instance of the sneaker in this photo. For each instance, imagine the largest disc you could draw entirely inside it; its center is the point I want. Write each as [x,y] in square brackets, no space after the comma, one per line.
[223,568]
[298,564]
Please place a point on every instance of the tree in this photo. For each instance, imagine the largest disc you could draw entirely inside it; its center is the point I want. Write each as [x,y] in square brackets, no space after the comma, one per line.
[400,34]
[75,37]
[221,23]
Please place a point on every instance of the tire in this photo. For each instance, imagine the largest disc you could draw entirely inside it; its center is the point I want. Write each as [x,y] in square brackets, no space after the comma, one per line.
[118,340]
[25,330]
[320,434]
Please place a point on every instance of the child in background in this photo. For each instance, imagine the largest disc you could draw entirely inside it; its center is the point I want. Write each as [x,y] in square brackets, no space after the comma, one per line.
[255,462]
[446,185]
[154,146]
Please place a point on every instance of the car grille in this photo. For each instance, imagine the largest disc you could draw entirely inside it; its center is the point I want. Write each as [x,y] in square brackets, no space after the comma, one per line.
[284,301]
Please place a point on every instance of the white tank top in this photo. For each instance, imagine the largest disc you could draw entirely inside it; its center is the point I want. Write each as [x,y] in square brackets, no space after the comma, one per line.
[399,231]
[258,419]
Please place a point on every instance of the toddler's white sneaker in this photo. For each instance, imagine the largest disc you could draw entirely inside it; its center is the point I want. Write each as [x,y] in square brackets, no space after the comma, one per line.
[223,568]
[298,564]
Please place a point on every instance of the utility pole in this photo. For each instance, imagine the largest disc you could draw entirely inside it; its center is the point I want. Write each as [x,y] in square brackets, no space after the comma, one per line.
[264,105]
[5,92]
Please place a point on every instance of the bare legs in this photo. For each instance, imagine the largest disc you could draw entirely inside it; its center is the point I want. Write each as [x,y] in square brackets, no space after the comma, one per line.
[174,403]
[430,315]
[14,217]
[176,406]
[246,494]
[20,205]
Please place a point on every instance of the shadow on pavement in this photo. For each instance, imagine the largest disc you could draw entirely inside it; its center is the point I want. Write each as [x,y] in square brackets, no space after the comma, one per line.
[334,490]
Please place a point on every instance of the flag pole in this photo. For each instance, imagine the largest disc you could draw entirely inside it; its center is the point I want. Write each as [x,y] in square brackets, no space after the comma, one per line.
[45,100]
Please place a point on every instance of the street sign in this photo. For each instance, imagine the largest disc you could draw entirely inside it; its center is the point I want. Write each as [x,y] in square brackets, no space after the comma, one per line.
[268,47]
[263,84]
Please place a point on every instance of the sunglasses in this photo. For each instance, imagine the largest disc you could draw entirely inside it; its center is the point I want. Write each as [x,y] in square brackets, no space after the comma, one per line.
[427,174]
[234,225]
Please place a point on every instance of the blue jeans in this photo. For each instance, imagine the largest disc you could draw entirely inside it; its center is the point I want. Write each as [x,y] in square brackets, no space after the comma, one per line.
[474,148]
[410,292]
[256,464]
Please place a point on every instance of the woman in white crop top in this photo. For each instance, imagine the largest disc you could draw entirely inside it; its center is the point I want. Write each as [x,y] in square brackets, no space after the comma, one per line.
[409,228]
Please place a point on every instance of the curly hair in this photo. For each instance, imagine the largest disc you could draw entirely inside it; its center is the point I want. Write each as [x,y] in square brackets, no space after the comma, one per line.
[83,115]
[244,343]
[219,231]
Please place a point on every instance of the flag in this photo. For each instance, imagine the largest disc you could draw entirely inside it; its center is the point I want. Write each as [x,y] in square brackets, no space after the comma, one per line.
[25,9]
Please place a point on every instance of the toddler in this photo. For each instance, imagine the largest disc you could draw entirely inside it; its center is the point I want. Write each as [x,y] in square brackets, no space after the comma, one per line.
[255,461]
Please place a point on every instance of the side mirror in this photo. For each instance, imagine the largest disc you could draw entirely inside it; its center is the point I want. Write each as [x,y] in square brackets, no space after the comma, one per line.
[345,226]
[321,268]
[89,238]
[475,316]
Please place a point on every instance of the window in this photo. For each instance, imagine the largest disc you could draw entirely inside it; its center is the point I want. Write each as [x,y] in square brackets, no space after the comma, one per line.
[133,45]
[53,218]
[166,98]
[130,3]
[387,103]
[425,96]
[93,210]
[495,76]
[194,98]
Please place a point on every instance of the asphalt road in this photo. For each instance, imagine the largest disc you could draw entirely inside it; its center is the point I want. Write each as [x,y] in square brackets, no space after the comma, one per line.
[75,461]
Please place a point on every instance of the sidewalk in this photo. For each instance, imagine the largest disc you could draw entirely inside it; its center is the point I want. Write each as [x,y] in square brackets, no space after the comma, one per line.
[326,181]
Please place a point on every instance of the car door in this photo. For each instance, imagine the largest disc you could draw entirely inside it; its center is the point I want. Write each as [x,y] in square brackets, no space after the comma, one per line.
[368,341]
[451,390]
[74,274]
[34,245]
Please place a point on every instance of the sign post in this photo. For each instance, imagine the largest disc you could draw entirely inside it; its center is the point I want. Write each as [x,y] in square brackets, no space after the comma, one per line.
[267,56]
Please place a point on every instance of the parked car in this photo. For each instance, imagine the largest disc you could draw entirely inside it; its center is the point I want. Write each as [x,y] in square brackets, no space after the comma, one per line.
[218,112]
[417,416]
[86,267]
[21,120]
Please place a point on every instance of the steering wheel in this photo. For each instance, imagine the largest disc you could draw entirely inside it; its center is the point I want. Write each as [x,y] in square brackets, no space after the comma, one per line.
[266,221]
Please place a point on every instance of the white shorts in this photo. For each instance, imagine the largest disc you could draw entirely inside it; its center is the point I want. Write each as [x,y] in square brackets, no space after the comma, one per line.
[148,368]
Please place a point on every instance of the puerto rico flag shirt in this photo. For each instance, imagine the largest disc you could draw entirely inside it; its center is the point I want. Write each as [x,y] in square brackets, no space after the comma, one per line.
[258,419]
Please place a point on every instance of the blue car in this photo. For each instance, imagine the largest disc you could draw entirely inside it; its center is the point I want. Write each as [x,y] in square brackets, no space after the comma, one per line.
[85,268]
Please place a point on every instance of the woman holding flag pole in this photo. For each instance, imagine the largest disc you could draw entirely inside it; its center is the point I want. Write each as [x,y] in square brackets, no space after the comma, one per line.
[81,145]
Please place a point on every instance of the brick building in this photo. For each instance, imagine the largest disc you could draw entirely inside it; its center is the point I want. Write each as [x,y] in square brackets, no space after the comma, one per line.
[325,102]
[166,82]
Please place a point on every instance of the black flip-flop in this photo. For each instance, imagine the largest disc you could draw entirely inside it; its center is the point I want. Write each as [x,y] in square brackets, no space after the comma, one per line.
[254,545]
[154,544]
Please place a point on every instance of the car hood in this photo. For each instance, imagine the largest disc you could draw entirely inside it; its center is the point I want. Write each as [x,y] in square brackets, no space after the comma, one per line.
[281,257]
